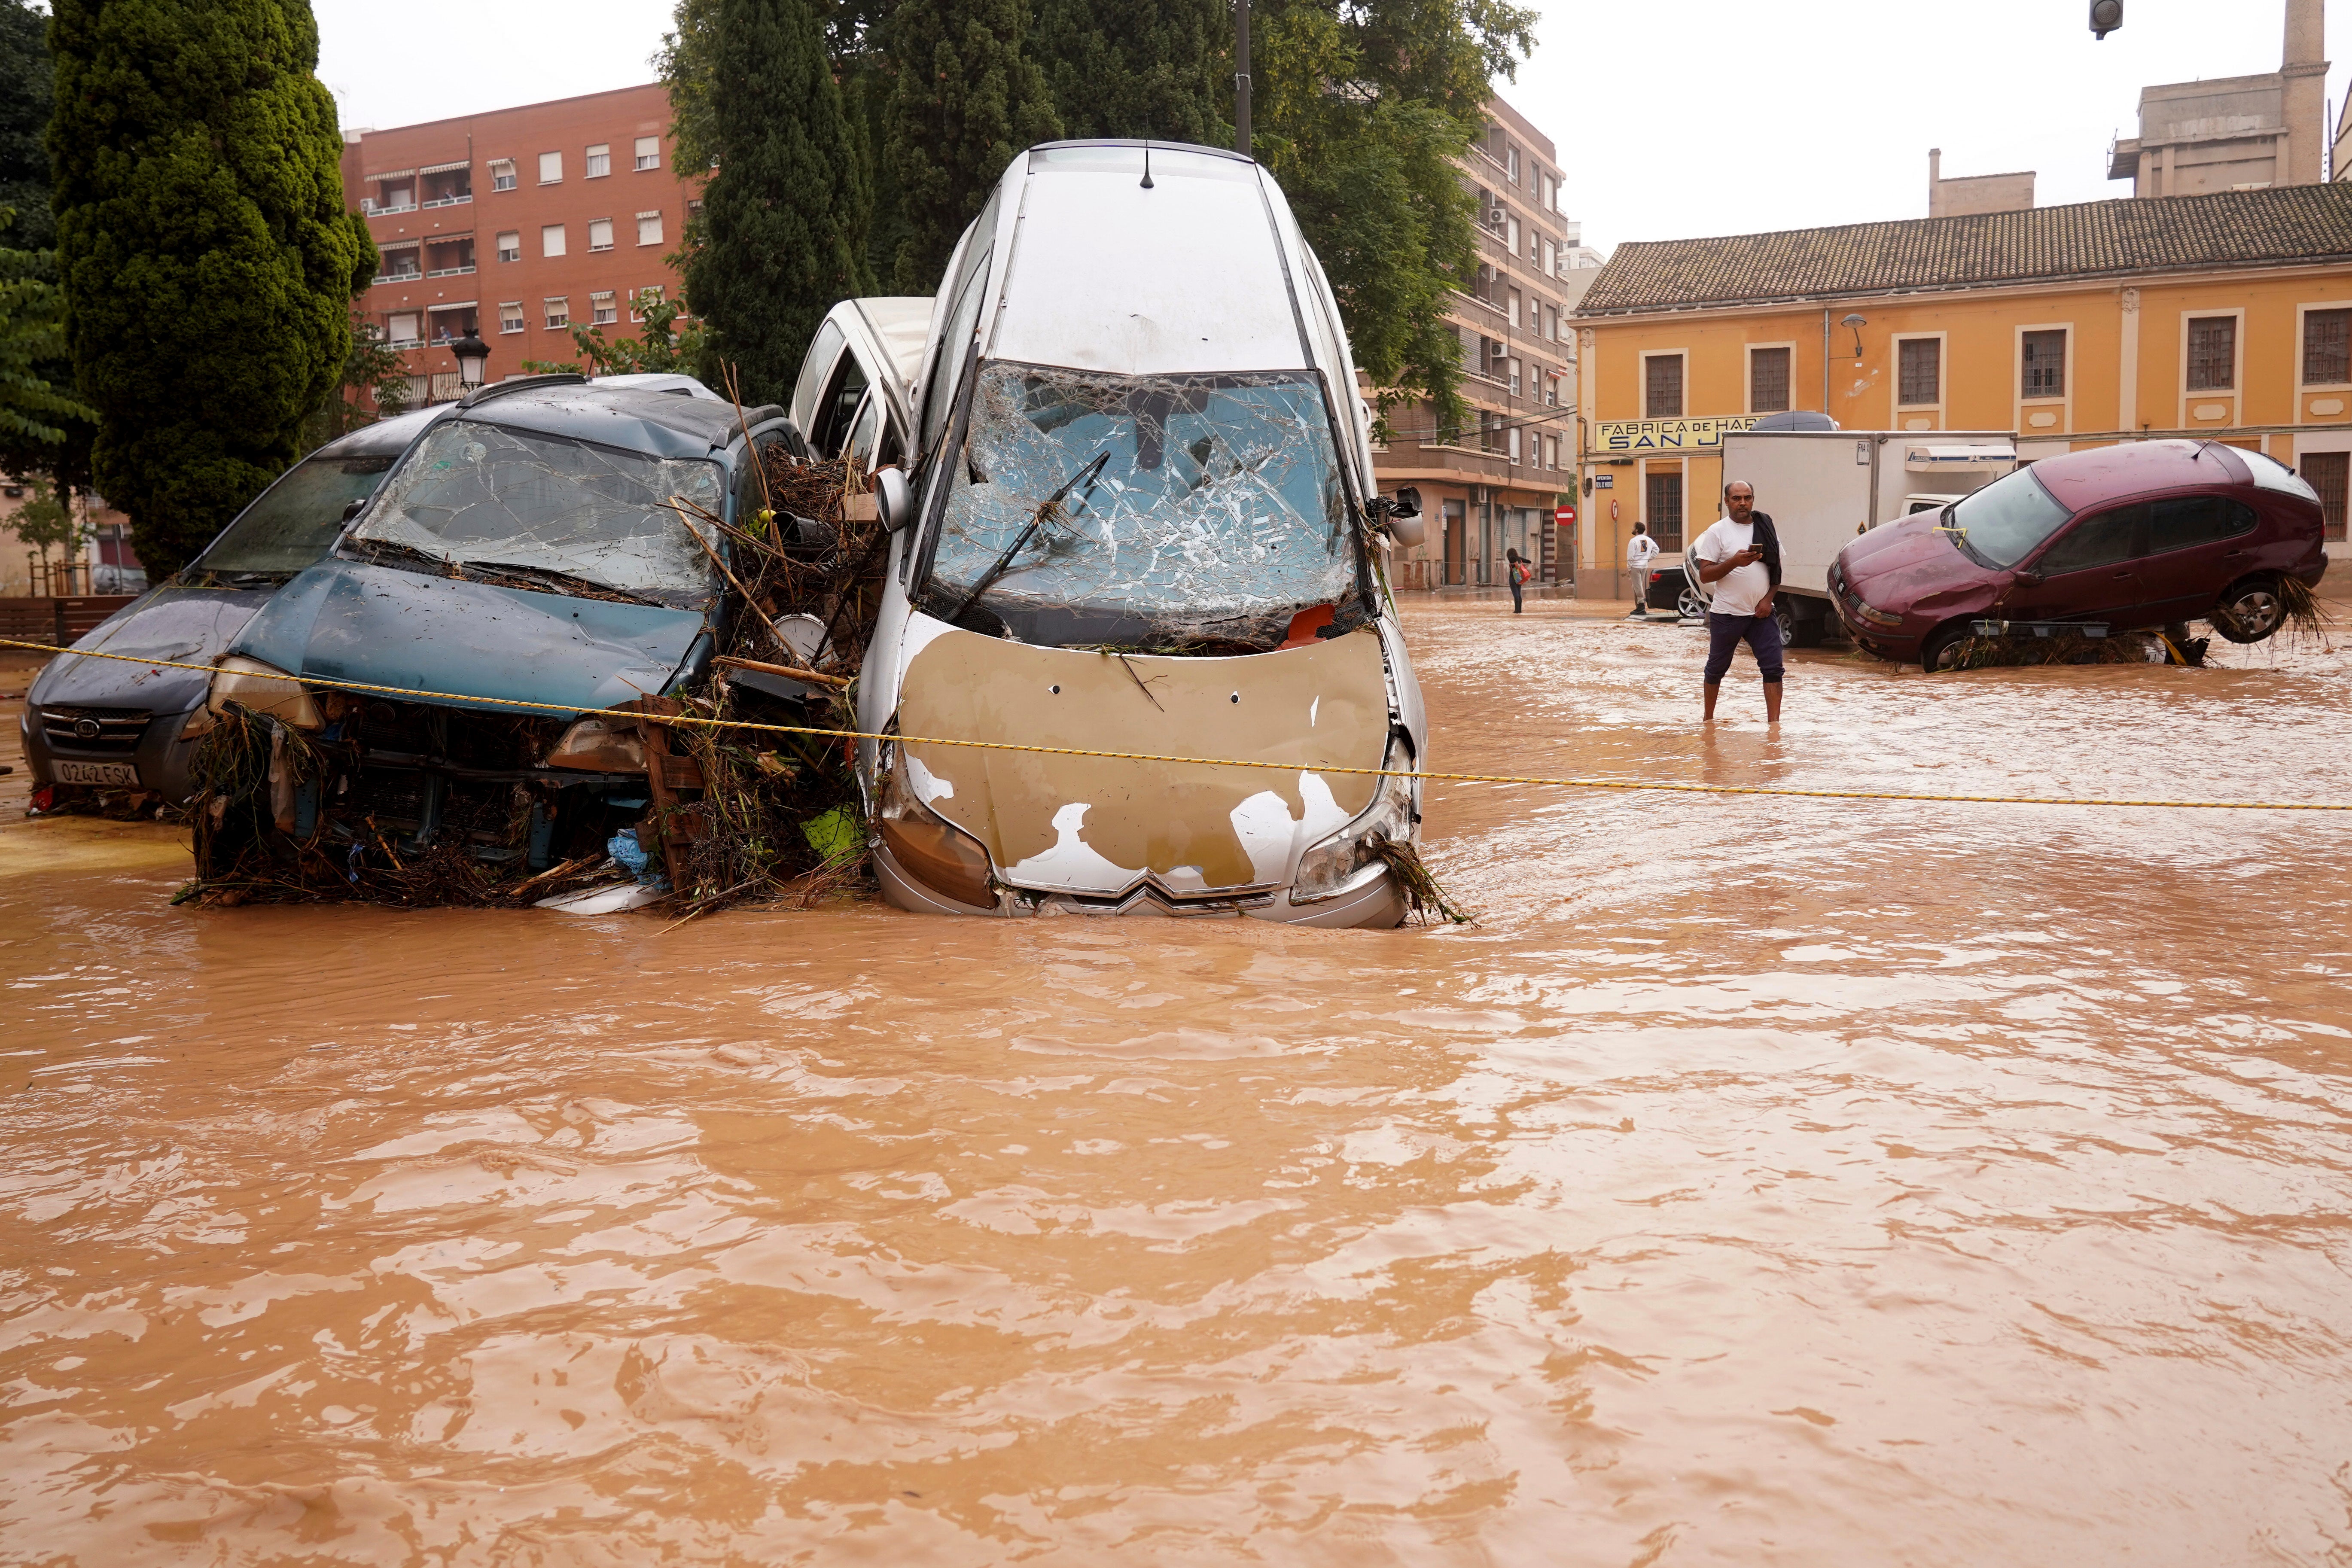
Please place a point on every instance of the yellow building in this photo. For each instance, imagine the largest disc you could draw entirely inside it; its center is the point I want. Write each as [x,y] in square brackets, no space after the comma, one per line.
[2226,316]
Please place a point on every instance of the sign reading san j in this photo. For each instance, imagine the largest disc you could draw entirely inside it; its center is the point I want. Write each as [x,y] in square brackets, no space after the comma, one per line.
[1666,435]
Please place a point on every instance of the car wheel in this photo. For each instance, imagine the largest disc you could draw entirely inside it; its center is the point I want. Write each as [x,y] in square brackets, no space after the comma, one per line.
[1940,650]
[1690,606]
[1784,616]
[2249,611]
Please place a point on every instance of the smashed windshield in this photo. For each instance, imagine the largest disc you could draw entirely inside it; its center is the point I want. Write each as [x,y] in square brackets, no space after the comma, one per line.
[294,522]
[532,510]
[2002,523]
[1176,509]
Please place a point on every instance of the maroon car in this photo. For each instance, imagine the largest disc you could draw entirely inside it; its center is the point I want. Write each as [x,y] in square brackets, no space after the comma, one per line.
[2147,534]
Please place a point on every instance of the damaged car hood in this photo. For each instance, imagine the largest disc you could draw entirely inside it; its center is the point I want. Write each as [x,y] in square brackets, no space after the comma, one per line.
[347,620]
[185,625]
[1886,566]
[1100,826]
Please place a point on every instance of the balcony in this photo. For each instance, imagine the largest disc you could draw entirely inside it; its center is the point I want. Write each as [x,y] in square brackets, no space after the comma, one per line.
[372,208]
[450,201]
[409,276]
[451,271]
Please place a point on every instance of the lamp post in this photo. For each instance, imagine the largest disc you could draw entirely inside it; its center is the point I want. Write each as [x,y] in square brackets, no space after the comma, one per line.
[473,359]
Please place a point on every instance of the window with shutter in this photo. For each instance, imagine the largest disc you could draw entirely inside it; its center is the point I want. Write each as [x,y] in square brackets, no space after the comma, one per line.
[2212,353]
[1662,395]
[2044,359]
[2327,347]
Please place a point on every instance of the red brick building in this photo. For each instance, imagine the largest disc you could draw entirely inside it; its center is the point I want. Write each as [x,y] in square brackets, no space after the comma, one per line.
[518,224]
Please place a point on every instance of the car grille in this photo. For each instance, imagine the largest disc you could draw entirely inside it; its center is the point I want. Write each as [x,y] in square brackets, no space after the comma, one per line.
[102,732]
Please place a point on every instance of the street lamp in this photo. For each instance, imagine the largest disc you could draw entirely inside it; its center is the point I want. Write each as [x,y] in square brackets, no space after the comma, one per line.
[1857,323]
[473,359]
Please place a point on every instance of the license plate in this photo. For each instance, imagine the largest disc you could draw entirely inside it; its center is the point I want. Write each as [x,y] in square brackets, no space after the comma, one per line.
[98,773]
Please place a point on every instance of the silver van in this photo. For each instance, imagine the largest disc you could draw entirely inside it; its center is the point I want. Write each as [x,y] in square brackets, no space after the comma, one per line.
[1135,514]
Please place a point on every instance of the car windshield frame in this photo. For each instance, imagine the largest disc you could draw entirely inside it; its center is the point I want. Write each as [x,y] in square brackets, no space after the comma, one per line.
[560,514]
[294,492]
[1992,538]
[1095,507]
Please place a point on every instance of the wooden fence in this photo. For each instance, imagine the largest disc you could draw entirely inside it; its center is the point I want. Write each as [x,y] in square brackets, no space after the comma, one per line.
[57,621]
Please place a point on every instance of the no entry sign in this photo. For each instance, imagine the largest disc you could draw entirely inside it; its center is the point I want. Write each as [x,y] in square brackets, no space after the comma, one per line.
[1565,516]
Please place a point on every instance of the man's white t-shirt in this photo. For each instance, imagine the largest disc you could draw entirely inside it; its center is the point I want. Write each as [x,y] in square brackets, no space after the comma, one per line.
[1638,552]
[1736,591]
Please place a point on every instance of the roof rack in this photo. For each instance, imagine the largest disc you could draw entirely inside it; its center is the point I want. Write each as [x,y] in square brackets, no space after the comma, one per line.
[520,384]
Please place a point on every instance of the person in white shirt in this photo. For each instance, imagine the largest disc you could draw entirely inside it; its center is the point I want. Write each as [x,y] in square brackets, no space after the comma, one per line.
[1640,551]
[1729,557]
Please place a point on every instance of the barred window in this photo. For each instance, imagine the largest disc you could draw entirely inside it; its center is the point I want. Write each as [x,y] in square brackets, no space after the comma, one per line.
[1768,381]
[1921,371]
[2045,363]
[2326,347]
[2212,353]
[1662,387]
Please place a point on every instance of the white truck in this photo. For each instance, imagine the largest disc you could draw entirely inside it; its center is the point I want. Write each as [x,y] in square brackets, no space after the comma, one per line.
[1820,488]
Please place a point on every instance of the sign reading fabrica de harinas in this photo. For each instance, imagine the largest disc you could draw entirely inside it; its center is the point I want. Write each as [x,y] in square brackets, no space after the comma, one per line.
[1666,435]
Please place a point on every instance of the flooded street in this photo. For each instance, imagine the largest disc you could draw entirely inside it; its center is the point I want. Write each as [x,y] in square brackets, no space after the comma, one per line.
[1760,1181]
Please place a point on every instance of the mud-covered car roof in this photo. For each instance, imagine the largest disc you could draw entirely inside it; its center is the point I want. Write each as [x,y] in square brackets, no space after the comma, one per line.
[657,423]
[2083,479]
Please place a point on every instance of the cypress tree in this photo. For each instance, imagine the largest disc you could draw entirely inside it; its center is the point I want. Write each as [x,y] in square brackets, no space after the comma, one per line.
[966,98]
[1152,68]
[24,122]
[207,258]
[782,233]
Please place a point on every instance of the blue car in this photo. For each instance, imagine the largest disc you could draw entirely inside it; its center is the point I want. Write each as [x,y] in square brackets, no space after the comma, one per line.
[530,552]
[99,727]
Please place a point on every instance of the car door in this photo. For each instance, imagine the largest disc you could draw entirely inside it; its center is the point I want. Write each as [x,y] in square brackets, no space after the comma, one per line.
[2089,571]
[2198,545]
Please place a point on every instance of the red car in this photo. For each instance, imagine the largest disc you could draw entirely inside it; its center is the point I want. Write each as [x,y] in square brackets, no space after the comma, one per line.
[2147,534]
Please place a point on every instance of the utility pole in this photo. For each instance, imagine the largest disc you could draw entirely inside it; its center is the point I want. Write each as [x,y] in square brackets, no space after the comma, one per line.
[1241,78]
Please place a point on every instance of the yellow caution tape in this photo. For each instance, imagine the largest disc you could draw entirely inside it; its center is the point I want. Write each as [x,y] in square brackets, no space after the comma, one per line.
[685,721]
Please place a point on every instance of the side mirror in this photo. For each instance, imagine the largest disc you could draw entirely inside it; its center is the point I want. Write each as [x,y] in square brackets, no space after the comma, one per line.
[354,509]
[1406,528]
[2029,579]
[892,503]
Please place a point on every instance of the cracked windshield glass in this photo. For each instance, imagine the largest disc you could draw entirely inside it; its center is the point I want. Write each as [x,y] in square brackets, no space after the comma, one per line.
[544,511]
[1168,508]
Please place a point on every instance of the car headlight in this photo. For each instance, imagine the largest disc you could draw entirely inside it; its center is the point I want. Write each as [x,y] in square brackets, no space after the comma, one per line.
[264,688]
[1328,865]
[926,846]
[1875,617]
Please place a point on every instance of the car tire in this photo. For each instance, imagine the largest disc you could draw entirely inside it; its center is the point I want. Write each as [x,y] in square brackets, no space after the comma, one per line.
[1784,616]
[2249,610]
[1689,605]
[1935,649]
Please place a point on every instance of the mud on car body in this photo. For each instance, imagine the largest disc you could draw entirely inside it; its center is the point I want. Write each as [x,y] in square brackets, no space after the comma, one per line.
[101,728]
[2143,535]
[529,565]
[1140,519]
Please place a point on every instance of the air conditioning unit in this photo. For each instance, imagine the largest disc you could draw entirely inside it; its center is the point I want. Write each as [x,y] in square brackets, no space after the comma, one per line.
[1495,217]
[1496,349]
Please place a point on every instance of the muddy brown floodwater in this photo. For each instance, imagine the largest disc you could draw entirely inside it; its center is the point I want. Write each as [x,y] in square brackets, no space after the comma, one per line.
[1759,1182]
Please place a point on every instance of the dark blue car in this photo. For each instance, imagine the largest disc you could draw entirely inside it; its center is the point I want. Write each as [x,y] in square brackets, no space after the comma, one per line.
[100,726]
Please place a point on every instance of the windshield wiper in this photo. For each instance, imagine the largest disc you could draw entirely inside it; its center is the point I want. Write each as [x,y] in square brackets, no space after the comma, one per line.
[563,582]
[377,549]
[1050,507]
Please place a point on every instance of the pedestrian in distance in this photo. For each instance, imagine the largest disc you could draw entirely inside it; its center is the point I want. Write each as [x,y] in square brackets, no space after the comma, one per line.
[1741,556]
[1640,551]
[1520,571]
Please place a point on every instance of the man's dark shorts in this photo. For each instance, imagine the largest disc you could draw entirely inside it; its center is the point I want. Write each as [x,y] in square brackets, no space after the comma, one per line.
[1724,633]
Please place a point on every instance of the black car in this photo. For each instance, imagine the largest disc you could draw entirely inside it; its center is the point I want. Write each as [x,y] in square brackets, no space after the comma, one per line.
[99,727]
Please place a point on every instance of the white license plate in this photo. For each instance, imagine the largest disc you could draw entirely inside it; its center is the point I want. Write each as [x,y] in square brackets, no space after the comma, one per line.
[97,773]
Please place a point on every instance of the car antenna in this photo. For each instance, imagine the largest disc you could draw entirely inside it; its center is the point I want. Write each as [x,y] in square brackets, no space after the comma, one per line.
[1147,165]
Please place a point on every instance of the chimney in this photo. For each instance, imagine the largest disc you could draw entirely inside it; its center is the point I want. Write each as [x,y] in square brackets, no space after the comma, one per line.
[2304,65]
[1935,182]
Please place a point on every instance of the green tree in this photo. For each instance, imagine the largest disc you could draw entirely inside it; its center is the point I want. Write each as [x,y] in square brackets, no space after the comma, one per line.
[1360,111]
[782,233]
[964,98]
[1156,68]
[47,522]
[32,339]
[24,123]
[374,385]
[207,258]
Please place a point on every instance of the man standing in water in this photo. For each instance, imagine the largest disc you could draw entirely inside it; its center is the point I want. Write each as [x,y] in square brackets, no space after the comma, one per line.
[1729,557]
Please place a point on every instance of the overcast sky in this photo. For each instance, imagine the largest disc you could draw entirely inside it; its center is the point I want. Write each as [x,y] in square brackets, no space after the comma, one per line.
[1675,118]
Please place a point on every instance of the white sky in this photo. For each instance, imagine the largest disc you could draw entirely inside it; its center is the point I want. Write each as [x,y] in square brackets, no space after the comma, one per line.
[1673,119]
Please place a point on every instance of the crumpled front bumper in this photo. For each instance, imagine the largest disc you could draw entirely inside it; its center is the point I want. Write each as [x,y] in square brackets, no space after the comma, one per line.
[1372,899]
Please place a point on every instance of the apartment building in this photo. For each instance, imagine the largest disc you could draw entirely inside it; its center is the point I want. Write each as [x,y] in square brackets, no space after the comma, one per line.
[1492,485]
[519,225]
[2226,316]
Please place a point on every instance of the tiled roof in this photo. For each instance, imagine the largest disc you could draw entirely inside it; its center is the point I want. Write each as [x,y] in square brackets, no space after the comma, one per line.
[2041,245]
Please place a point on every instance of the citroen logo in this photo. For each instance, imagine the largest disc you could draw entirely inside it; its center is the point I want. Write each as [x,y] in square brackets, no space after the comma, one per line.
[87,729]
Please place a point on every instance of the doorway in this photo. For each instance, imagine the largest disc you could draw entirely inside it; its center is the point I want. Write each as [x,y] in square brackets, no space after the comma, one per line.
[1456,544]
